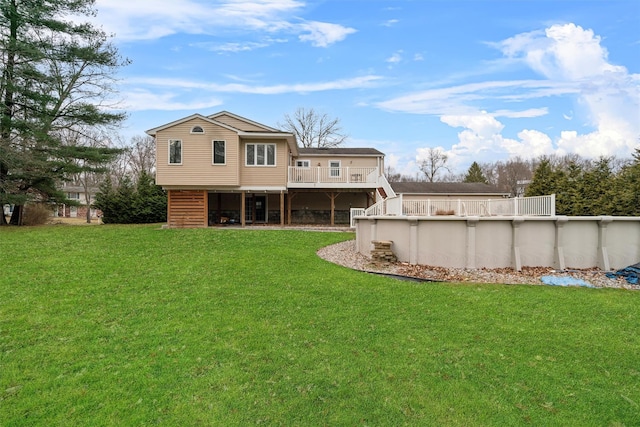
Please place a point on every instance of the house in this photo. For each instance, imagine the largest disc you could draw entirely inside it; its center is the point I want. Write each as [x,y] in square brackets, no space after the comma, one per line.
[226,169]
[78,193]
[448,198]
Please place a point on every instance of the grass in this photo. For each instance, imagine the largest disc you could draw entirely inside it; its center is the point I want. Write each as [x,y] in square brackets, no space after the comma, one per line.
[132,325]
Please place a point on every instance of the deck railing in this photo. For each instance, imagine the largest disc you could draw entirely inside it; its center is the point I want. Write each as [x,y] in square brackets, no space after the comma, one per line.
[518,206]
[328,175]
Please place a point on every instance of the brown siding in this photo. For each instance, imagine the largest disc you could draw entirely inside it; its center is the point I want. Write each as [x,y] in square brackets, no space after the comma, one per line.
[187,209]
[197,167]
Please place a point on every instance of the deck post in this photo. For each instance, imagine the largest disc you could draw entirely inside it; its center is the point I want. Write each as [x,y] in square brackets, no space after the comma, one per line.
[243,202]
[281,207]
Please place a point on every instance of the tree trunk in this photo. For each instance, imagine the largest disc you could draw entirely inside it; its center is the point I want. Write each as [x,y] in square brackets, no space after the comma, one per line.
[16,216]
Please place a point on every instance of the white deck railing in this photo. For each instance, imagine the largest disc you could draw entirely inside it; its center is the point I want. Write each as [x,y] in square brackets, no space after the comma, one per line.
[324,175]
[525,206]
[519,206]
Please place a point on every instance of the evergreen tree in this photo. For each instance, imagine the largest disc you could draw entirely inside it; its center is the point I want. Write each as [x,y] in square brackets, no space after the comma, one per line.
[151,200]
[142,203]
[474,174]
[626,197]
[596,188]
[56,72]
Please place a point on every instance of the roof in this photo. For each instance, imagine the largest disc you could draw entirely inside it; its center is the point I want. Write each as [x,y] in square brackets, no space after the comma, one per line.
[340,151]
[475,188]
[266,133]
[244,119]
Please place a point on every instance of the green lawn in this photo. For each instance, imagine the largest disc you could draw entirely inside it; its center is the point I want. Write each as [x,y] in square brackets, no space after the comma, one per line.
[133,325]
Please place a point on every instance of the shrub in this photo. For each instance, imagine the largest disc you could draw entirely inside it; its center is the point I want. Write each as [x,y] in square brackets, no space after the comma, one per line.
[36,214]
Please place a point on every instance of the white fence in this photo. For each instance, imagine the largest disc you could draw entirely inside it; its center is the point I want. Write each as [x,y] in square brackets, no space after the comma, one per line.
[332,175]
[518,206]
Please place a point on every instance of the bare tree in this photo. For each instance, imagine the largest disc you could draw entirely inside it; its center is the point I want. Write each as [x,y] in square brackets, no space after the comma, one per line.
[142,155]
[313,129]
[95,153]
[514,175]
[435,162]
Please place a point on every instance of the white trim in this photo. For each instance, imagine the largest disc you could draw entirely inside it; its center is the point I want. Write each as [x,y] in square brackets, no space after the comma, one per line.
[200,132]
[333,169]
[213,152]
[304,163]
[255,158]
[169,152]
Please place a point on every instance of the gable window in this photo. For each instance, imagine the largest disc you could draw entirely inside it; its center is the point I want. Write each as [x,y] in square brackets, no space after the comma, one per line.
[303,163]
[175,152]
[334,171]
[219,152]
[197,129]
[261,154]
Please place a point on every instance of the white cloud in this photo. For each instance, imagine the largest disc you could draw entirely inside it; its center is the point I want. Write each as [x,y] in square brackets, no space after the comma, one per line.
[141,98]
[322,34]
[395,58]
[561,52]
[390,23]
[574,65]
[152,19]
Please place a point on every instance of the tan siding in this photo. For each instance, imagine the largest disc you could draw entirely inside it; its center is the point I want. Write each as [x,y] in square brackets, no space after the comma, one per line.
[238,124]
[262,176]
[187,209]
[197,167]
[345,161]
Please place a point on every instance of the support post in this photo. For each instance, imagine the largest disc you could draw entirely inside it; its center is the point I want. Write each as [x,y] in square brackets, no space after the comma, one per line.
[243,220]
[281,208]
[603,254]
[413,240]
[515,238]
[559,243]
[472,221]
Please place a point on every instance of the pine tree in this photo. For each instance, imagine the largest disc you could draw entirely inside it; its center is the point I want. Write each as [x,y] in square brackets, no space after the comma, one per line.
[55,75]
[474,174]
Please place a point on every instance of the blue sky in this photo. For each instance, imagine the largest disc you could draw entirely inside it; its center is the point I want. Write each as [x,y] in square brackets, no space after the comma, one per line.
[482,80]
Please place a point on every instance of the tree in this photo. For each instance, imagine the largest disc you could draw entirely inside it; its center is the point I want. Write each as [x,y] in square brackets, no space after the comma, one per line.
[57,74]
[92,155]
[435,161]
[626,200]
[141,155]
[513,175]
[313,129]
[144,202]
[474,174]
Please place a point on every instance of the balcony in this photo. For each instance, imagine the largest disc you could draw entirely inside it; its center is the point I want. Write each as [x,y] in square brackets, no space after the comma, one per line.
[324,177]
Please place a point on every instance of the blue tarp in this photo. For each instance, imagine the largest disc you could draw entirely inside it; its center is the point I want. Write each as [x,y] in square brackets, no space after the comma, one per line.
[631,273]
[565,281]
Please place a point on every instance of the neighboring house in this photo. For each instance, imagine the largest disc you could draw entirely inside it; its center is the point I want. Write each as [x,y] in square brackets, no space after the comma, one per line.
[77,193]
[448,198]
[224,169]
[447,190]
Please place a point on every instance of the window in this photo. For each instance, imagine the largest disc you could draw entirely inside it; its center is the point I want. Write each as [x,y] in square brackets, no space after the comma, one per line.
[175,152]
[73,196]
[334,166]
[261,155]
[219,152]
[197,129]
[303,163]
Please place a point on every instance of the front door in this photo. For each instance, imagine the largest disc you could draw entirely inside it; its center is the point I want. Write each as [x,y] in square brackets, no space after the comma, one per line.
[256,209]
